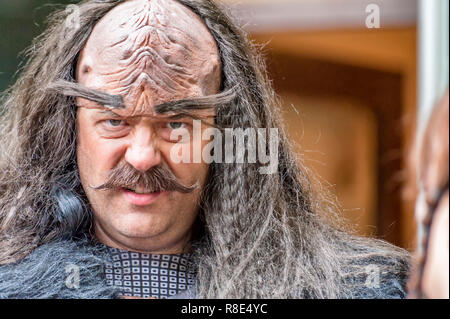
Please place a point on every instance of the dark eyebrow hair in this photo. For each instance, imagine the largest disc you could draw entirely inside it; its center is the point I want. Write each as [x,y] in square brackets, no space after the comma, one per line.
[197,103]
[111,102]
[74,89]
[109,112]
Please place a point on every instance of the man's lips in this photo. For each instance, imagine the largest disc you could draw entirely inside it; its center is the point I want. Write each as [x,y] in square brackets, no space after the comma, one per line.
[140,199]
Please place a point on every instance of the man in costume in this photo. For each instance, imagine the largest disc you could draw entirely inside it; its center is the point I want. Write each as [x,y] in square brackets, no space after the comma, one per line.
[93,204]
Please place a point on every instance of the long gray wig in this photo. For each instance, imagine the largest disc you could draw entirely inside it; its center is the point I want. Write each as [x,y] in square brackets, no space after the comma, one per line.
[263,236]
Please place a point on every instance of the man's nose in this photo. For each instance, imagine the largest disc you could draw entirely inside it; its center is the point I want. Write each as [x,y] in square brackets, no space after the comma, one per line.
[142,152]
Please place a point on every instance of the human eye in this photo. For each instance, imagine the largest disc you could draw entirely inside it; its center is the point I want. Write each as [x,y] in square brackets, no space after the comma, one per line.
[113,127]
[115,123]
[175,125]
[174,130]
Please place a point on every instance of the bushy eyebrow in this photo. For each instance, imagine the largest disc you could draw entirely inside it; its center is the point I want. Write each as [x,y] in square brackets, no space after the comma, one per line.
[197,103]
[109,113]
[112,102]
[176,116]
[73,89]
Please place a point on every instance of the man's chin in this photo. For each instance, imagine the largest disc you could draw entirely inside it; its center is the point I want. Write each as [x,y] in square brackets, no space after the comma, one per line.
[132,222]
[138,240]
[134,236]
[139,225]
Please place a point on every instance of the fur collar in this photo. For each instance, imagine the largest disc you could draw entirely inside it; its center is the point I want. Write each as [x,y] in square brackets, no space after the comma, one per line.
[46,273]
[51,271]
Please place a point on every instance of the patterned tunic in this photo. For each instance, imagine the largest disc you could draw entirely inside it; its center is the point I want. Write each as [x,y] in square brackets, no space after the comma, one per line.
[148,275]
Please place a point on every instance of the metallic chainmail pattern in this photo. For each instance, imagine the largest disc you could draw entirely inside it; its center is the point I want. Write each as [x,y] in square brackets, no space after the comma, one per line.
[148,276]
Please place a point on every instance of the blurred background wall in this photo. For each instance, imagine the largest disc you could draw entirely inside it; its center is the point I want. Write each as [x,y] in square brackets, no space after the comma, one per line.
[349,94]
[20,22]
[348,87]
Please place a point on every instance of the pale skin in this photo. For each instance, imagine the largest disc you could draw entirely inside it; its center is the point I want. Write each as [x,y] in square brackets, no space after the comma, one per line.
[149,52]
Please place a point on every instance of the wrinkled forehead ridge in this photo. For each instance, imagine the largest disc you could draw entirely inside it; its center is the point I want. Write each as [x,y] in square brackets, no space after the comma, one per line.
[155,46]
[162,22]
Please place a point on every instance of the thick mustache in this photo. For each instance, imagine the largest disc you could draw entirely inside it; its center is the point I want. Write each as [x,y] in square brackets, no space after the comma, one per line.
[156,179]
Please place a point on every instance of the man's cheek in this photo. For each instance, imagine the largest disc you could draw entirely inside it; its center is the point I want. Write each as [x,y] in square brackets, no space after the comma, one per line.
[90,168]
[193,173]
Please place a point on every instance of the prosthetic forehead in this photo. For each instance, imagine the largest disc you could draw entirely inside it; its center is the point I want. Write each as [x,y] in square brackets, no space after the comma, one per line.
[150,52]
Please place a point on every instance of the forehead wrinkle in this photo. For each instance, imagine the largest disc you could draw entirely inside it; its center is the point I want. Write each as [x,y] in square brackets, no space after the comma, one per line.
[140,46]
[145,66]
[167,22]
[148,63]
[143,103]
